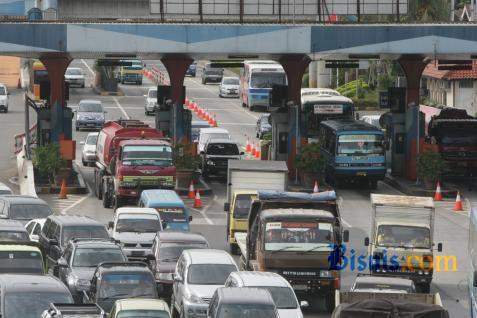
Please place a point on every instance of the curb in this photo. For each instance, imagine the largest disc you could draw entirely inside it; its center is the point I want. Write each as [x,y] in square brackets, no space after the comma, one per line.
[101,92]
[81,189]
[446,193]
[204,189]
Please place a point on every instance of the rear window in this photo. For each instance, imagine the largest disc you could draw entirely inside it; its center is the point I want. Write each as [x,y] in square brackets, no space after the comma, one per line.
[222,149]
[28,262]
[242,206]
[85,231]
[29,211]
[14,236]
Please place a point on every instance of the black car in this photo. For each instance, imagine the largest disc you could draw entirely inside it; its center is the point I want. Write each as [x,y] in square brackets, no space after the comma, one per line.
[11,230]
[28,295]
[59,229]
[263,125]
[166,250]
[23,208]
[212,74]
[113,281]
[216,155]
[76,266]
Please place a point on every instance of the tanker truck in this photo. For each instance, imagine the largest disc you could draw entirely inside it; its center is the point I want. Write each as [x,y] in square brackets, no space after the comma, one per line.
[131,157]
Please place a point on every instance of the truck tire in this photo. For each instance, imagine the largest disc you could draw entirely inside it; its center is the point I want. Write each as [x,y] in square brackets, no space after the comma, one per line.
[106,195]
[329,303]
[234,249]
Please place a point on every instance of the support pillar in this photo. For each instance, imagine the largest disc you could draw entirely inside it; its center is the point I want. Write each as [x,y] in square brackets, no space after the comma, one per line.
[412,66]
[176,66]
[295,66]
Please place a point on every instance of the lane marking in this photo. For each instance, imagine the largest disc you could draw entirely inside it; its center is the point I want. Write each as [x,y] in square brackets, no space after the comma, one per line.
[121,108]
[73,205]
[340,203]
[204,209]
[87,66]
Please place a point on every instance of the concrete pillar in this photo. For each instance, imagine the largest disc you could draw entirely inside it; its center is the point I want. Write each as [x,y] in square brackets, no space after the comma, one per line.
[323,77]
[56,65]
[412,66]
[295,66]
[313,73]
[176,66]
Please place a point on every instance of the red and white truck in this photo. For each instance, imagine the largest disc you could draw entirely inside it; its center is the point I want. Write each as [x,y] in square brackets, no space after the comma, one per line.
[131,157]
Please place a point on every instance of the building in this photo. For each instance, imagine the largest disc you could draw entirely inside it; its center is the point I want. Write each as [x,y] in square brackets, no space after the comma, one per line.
[453,88]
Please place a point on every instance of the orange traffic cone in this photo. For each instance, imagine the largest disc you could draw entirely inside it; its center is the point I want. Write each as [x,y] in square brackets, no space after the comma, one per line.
[253,152]
[191,194]
[214,123]
[197,201]
[315,188]
[257,151]
[248,148]
[458,203]
[438,195]
[211,120]
[64,190]
[194,106]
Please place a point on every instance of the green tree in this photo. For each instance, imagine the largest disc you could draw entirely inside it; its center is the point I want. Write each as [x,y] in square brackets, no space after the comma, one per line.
[47,160]
[429,11]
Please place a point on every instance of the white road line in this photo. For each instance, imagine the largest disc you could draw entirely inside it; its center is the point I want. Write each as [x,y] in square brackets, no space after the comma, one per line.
[339,201]
[73,205]
[87,66]
[121,108]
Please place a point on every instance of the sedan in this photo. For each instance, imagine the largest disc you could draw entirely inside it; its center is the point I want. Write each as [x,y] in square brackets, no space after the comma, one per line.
[90,115]
[74,76]
[88,156]
[229,87]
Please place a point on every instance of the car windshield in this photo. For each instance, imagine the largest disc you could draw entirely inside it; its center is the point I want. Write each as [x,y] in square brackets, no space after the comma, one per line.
[267,80]
[172,214]
[222,149]
[209,274]
[91,256]
[298,236]
[363,286]
[91,140]
[213,71]
[90,108]
[140,224]
[242,206]
[231,81]
[143,313]
[246,311]
[29,211]
[27,262]
[360,145]
[172,251]
[216,136]
[27,304]
[14,236]
[125,285]
[3,91]
[160,156]
[87,231]
[283,297]
[152,93]
[73,71]
[264,119]
[404,236]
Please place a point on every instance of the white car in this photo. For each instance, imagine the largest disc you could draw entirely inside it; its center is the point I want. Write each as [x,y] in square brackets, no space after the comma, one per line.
[34,228]
[206,134]
[279,288]
[198,274]
[4,98]
[74,77]
[229,87]
[151,101]
[88,156]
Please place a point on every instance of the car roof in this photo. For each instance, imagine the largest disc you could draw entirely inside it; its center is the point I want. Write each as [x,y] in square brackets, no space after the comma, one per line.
[138,304]
[202,123]
[244,295]
[94,133]
[19,248]
[165,198]
[152,89]
[136,210]
[230,77]
[123,267]
[213,131]
[73,68]
[180,237]
[74,220]
[350,125]
[93,243]
[30,282]
[257,279]
[209,256]
[144,142]
[90,101]
[222,141]
[22,199]
[8,224]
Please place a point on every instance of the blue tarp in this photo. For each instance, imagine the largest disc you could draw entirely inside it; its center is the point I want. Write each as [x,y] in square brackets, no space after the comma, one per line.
[296,196]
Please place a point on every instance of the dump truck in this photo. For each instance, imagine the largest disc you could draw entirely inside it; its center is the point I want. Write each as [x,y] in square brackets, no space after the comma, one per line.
[131,157]
[295,234]
[383,304]
[244,179]
[73,311]
[402,238]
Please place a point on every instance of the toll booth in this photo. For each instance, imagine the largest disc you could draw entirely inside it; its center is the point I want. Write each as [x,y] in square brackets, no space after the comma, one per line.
[280,133]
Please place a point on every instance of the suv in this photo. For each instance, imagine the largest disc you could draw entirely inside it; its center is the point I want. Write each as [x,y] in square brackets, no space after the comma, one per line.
[166,250]
[76,266]
[192,69]
[206,134]
[74,76]
[135,229]
[90,115]
[212,74]
[113,281]
[151,101]
[21,257]
[11,230]
[23,208]
[198,274]
[88,155]
[59,229]
[216,154]
[263,125]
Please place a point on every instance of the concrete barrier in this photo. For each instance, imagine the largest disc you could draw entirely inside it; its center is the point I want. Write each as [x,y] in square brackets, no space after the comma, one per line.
[26,177]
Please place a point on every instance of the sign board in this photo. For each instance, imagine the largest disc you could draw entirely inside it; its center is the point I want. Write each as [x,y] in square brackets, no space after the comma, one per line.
[328,109]
[383,100]
[342,64]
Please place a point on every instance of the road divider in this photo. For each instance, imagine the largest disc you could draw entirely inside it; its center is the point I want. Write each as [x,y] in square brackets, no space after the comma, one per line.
[26,176]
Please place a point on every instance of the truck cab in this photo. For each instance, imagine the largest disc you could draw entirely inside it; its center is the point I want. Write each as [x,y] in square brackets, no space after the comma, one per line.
[237,216]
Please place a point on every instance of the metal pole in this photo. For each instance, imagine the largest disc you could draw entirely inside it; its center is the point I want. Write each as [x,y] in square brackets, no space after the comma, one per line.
[293,11]
[27,128]
[452,10]
[418,137]
[297,137]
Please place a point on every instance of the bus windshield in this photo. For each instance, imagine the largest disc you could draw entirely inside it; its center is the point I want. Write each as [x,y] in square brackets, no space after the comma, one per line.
[360,145]
[267,80]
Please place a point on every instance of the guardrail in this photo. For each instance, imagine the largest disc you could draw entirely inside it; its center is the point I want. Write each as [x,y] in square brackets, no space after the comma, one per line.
[26,176]
[156,75]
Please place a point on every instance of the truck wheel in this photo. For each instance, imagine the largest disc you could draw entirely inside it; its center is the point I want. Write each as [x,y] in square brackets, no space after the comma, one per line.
[234,249]
[84,163]
[329,303]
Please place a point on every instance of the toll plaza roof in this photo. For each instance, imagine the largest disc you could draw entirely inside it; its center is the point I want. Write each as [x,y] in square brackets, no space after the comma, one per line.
[401,201]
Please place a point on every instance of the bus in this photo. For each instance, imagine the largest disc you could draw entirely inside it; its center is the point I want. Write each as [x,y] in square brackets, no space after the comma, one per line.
[38,77]
[131,74]
[256,81]
[472,248]
[319,104]
[353,150]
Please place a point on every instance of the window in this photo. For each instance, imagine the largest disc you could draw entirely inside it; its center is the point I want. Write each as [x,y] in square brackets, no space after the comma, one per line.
[466,83]
[46,227]
[37,229]
[51,230]
[30,227]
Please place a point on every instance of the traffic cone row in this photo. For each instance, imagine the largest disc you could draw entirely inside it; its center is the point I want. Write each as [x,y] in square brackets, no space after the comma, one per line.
[201,113]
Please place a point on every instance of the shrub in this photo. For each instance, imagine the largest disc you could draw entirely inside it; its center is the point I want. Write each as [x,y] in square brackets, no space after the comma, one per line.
[430,166]
[47,160]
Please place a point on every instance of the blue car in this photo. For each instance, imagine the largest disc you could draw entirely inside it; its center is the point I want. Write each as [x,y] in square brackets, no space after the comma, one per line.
[170,206]
[192,70]
[90,115]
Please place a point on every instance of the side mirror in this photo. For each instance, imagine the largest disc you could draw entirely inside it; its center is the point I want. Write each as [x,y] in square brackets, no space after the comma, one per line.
[475,279]
[346,236]
[226,207]
[145,95]
[190,218]
[304,304]
[54,242]
[110,224]
[62,262]
[439,247]
[366,241]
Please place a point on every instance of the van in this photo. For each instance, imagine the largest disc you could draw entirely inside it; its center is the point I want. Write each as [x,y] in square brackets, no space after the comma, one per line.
[206,134]
[171,208]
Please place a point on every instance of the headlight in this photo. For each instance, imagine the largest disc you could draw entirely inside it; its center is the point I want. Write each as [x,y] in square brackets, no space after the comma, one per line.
[325,274]
[164,276]
[377,165]
[210,163]
[195,299]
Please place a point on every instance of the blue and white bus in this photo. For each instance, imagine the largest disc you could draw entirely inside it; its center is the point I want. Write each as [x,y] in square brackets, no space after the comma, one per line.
[472,247]
[256,81]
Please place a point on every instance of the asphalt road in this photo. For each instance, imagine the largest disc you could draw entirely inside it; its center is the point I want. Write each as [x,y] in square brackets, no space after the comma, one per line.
[451,227]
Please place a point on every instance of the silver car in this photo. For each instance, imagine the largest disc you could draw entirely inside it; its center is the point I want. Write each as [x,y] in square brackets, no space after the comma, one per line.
[197,276]
[151,101]
[229,87]
[74,76]
[88,155]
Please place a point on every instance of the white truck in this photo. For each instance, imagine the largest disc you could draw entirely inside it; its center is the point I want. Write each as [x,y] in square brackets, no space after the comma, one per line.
[402,238]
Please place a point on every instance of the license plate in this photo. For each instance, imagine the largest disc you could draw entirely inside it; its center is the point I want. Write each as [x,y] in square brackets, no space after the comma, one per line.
[137,253]
[300,287]
[361,174]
